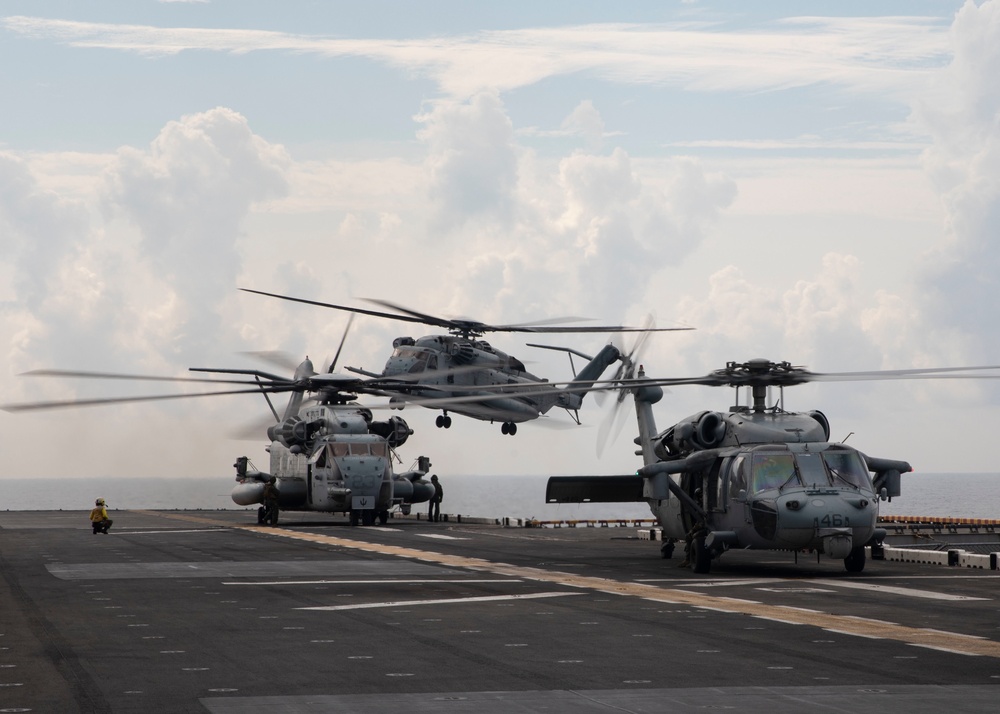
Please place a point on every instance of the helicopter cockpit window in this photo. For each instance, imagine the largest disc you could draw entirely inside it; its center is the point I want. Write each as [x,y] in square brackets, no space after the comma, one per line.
[517,364]
[812,471]
[340,449]
[419,358]
[738,477]
[846,467]
[772,471]
[379,449]
[359,449]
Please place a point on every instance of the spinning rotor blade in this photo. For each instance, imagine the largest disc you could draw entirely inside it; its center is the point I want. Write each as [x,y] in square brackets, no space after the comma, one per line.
[138,377]
[612,424]
[72,403]
[468,327]
[360,311]
[343,339]
[783,374]
[278,358]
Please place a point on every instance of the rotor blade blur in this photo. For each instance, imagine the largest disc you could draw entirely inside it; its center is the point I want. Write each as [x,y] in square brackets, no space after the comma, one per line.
[73,403]
[137,377]
[278,358]
[415,315]
[929,372]
[359,310]
[343,339]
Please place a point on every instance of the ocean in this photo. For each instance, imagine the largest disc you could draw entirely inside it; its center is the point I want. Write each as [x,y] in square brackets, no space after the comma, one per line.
[969,495]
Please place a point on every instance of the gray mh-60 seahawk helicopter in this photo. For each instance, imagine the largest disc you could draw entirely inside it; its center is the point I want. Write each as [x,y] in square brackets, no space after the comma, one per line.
[756,477]
[326,454]
[460,373]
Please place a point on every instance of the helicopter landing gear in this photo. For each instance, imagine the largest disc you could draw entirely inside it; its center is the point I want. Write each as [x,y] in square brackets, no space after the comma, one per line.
[355,518]
[267,515]
[509,428]
[701,556]
[383,517]
[667,550]
[855,562]
[443,421]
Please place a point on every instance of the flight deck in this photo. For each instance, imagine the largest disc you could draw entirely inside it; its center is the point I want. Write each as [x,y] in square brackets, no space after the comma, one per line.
[205,611]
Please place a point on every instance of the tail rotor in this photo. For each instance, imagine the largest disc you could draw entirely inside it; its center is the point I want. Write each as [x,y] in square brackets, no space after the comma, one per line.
[614,421]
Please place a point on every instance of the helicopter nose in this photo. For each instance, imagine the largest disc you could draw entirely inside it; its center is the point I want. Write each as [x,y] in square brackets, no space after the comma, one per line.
[830,521]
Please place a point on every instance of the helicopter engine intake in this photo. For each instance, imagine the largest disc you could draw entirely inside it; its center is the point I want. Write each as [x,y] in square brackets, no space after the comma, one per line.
[705,430]
[294,432]
[394,430]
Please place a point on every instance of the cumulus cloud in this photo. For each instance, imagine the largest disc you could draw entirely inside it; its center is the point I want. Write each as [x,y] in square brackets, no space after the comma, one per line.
[958,282]
[188,194]
[471,158]
[589,223]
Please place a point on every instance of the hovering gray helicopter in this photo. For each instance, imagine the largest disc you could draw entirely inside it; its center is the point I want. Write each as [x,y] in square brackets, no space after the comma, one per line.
[326,454]
[460,373]
[756,477]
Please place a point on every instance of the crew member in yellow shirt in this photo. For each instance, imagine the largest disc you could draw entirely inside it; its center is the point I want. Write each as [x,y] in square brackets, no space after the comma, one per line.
[99,517]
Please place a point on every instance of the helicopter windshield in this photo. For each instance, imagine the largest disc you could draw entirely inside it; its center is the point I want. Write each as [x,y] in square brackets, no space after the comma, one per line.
[812,470]
[772,471]
[847,467]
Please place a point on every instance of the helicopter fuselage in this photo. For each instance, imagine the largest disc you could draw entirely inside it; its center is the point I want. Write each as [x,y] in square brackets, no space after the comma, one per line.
[335,458]
[466,376]
[752,478]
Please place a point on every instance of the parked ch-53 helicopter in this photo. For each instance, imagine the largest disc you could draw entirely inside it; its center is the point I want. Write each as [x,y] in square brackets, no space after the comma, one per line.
[326,454]
[460,373]
[757,477]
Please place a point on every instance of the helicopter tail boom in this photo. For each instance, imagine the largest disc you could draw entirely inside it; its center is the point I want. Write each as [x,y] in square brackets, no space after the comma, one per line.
[571,397]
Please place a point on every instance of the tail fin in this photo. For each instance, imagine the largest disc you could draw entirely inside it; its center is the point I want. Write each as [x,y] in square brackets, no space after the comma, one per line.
[572,396]
[302,372]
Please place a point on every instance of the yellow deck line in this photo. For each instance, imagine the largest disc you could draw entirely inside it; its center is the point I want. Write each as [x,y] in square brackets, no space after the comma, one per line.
[951,642]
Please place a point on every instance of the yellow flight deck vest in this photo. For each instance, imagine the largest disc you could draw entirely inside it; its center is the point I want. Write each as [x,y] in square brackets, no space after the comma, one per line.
[98,514]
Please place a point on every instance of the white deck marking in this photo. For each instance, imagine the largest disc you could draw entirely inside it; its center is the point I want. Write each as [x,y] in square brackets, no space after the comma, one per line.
[439,536]
[443,601]
[122,531]
[903,634]
[945,649]
[893,590]
[710,583]
[371,582]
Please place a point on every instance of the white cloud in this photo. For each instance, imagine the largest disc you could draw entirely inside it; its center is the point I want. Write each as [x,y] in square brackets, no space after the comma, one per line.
[872,54]
[959,283]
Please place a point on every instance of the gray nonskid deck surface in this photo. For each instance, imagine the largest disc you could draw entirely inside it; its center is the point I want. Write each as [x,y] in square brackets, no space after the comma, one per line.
[917,699]
[197,612]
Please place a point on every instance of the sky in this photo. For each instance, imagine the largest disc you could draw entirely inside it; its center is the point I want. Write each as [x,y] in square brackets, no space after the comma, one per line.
[802,181]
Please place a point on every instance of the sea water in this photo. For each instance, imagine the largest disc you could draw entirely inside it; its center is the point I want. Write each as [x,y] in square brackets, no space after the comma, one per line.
[968,495]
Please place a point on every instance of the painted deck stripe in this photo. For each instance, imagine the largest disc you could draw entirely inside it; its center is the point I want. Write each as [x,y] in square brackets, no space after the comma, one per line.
[894,590]
[441,601]
[908,635]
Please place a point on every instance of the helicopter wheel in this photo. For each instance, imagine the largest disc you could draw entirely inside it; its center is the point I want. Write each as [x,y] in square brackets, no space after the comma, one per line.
[383,517]
[701,560]
[447,422]
[508,427]
[368,518]
[855,562]
[667,550]
[355,516]
[260,516]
